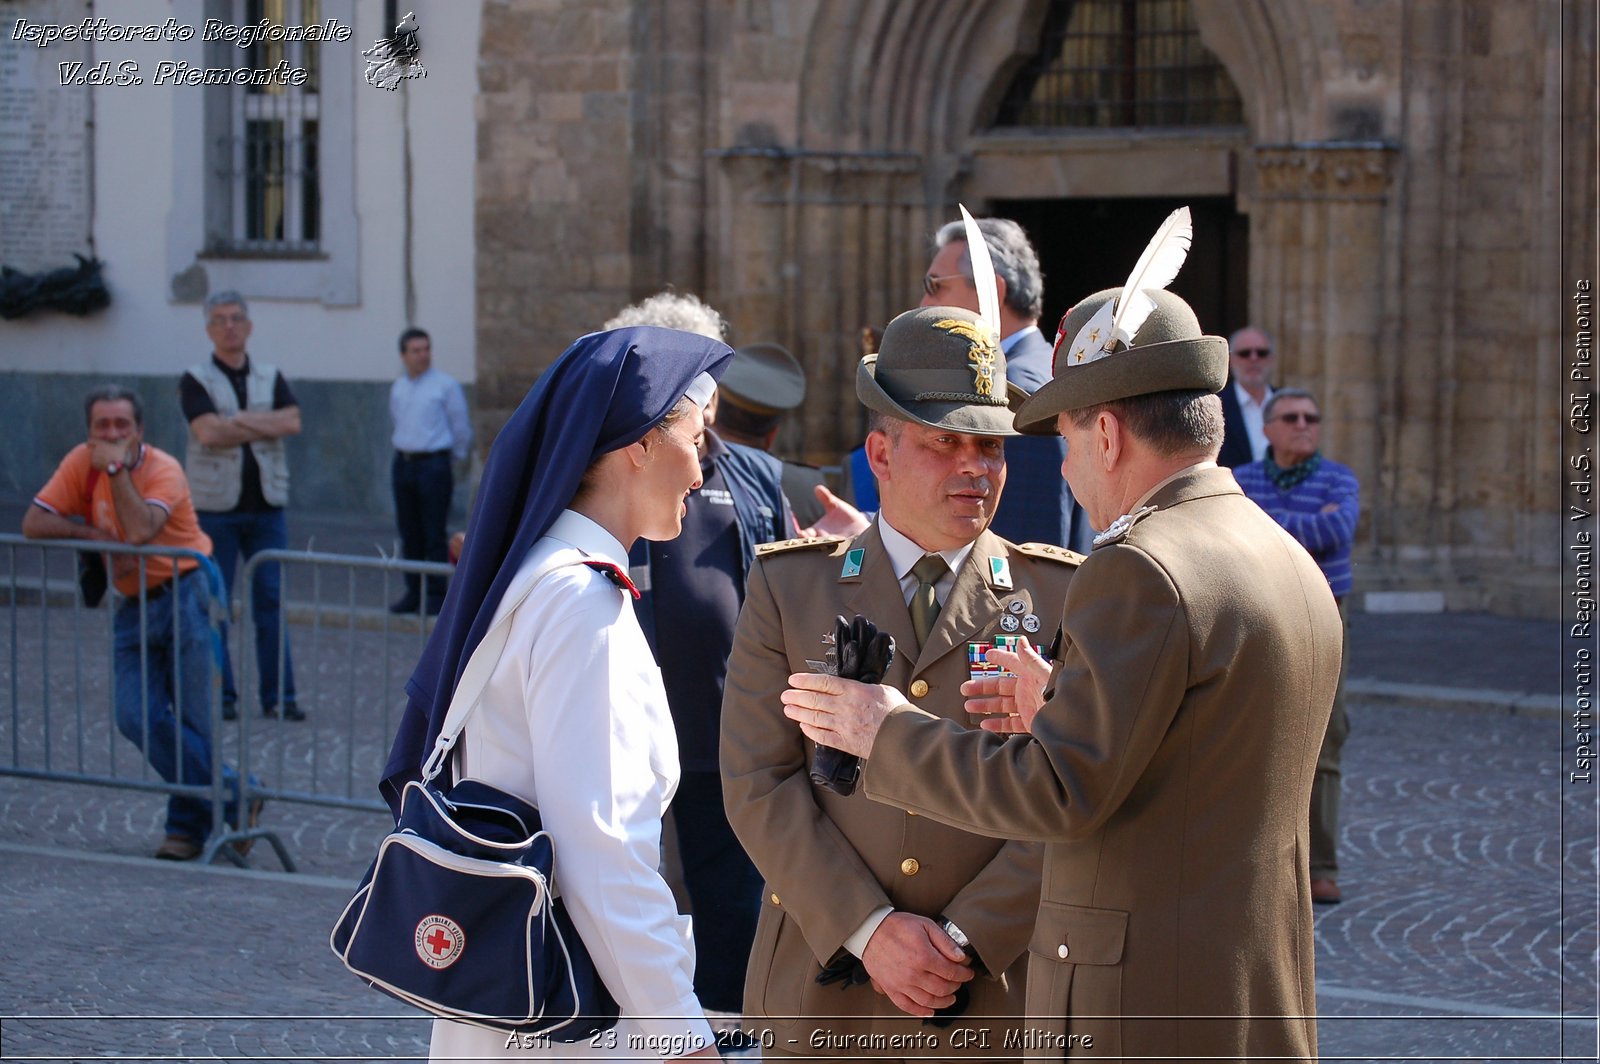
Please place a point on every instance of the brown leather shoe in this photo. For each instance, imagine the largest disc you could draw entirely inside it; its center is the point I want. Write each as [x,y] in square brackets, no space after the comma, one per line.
[252,819]
[178,848]
[1325,892]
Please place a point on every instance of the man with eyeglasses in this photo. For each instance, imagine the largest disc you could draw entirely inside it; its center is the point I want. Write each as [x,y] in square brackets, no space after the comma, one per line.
[240,411]
[1317,501]
[1039,508]
[1244,397]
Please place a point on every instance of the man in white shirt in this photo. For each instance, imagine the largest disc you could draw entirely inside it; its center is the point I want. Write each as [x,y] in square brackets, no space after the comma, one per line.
[431,430]
[1244,397]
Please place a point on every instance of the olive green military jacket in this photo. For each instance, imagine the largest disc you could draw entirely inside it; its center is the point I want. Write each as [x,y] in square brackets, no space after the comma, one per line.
[830,861]
[1169,776]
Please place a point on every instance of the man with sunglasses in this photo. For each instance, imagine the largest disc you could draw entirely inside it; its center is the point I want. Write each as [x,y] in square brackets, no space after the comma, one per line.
[1317,501]
[1245,396]
[1039,508]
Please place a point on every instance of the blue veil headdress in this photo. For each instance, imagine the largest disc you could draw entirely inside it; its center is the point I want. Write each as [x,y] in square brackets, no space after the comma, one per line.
[605,391]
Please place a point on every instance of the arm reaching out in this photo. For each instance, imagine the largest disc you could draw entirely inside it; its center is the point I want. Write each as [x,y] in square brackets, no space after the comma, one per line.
[1010,702]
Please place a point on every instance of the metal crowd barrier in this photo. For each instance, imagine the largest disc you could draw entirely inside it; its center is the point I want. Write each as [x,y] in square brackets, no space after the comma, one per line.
[349,657]
[61,680]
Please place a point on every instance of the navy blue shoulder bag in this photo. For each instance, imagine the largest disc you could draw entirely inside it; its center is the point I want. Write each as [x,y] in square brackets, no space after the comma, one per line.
[459,914]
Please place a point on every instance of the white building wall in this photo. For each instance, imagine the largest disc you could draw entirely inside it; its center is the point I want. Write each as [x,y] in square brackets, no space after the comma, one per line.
[138,182]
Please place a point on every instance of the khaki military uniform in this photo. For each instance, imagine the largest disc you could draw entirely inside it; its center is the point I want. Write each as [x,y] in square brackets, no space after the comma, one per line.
[830,861]
[1169,775]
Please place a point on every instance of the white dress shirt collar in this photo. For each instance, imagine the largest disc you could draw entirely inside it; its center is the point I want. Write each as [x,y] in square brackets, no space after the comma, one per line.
[1015,338]
[589,536]
[1252,413]
[904,553]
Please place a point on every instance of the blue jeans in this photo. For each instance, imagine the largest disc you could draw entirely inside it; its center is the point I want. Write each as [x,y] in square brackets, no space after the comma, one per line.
[233,535]
[163,697]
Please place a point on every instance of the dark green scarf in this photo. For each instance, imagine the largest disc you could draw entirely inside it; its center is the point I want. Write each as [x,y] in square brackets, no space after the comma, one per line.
[1289,479]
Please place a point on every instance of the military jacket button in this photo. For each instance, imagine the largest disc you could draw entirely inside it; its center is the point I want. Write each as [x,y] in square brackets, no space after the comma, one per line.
[1063,952]
[775,901]
[919,688]
[910,866]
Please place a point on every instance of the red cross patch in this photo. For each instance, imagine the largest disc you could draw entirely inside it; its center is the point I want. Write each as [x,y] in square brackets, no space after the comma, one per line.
[439,941]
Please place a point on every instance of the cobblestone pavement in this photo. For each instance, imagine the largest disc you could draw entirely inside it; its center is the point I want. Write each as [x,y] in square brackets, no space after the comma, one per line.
[1469,863]
[1468,928]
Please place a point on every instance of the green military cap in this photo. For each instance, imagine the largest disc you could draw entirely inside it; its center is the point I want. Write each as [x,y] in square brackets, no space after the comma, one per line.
[764,379]
[1168,353]
[941,367]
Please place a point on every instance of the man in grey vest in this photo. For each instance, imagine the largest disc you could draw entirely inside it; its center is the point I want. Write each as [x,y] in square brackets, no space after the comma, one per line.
[239,412]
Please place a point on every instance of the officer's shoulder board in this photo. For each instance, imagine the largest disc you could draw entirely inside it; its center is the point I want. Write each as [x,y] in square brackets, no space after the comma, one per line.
[784,546]
[1050,552]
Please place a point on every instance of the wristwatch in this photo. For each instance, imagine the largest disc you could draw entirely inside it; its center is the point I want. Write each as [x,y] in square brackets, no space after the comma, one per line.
[113,468]
[959,937]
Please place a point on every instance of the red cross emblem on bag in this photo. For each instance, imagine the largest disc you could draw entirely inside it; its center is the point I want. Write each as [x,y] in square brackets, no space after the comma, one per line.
[439,941]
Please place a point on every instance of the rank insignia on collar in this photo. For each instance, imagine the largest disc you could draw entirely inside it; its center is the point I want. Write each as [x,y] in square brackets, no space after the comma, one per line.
[1121,526]
[1000,573]
[852,563]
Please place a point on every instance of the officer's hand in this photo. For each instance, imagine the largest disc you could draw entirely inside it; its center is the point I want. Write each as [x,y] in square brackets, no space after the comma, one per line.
[915,963]
[839,713]
[1009,702]
[839,518]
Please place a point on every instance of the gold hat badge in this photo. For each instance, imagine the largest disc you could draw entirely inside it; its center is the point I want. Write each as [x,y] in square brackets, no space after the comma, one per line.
[981,351]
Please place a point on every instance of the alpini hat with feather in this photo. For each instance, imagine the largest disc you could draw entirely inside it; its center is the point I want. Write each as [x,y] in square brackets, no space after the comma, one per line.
[942,366]
[937,366]
[1135,340]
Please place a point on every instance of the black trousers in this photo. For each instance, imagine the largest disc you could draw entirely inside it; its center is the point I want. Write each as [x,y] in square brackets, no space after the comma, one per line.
[422,486]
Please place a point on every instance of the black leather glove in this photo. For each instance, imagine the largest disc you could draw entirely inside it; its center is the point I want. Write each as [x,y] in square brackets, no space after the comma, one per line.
[847,970]
[863,653]
[946,1016]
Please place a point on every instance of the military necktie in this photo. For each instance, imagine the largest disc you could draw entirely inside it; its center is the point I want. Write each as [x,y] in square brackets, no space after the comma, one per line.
[924,603]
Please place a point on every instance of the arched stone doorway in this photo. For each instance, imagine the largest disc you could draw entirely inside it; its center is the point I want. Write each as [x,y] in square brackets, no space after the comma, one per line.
[789,159]
[892,127]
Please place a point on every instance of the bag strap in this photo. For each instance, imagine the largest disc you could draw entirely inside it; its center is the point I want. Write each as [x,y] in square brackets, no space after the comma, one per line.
[475,677]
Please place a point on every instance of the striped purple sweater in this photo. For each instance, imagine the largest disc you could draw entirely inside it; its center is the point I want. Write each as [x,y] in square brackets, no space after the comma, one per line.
[1327,537]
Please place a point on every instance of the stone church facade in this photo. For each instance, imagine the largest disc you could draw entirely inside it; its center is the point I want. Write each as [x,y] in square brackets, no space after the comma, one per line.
[1407,192]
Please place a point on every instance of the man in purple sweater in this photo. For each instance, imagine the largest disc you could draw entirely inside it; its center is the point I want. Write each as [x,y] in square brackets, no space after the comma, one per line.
[1317,501]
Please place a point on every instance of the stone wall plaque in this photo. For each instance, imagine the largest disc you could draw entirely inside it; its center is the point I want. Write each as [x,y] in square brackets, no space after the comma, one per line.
[45,141]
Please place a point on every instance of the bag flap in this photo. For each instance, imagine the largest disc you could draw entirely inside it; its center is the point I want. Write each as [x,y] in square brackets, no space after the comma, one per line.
[1074,934]
[476,820]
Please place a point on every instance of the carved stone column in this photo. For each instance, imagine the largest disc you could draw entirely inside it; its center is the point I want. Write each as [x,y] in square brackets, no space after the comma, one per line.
[812,246]
[1321,268]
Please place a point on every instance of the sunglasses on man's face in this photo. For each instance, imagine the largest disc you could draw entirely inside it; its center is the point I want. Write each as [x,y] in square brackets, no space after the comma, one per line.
[1253,352]
[1295,417]
[932,284]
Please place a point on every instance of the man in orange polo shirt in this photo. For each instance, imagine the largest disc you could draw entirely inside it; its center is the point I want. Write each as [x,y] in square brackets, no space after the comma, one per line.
[130,492]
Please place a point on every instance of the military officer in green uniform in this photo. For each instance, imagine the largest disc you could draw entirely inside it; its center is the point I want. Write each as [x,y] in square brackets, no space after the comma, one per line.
[936,915]
[1169,767]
